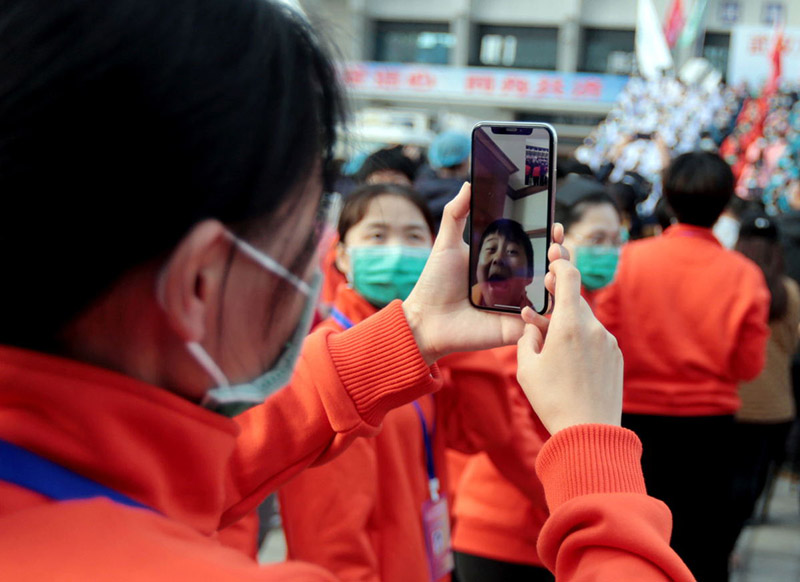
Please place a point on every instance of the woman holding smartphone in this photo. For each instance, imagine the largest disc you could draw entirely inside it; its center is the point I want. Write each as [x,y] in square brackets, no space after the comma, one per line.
[161,167]
[366,514]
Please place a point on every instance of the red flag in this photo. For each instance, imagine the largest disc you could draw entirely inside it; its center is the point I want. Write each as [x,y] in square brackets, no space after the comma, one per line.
[675,23]
[775,57]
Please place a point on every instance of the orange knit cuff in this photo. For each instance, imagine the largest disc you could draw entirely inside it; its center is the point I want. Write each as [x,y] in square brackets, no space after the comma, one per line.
[380,365]
[590,458]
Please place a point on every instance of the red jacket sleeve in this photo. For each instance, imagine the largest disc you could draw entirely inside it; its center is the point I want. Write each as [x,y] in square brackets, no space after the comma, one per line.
[750,355]
[602,524]
[343,386]
[326,514]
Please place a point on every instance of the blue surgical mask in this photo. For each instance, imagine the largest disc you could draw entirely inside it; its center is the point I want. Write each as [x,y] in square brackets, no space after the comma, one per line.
[231,400]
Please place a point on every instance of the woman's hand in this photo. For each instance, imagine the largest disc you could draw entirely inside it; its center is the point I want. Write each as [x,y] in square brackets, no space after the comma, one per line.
[438,310]
[572,374]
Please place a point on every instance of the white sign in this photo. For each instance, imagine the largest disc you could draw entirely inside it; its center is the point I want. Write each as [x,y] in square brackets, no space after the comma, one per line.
[750,57]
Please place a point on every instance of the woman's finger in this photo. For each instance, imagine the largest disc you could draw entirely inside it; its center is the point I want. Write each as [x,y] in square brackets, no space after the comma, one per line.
[558,233]
[556,252]
[530,343]
[454,219]
[530,317]
[567,286]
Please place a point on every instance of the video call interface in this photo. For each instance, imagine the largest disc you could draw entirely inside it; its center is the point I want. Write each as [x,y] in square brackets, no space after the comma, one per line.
[510,210]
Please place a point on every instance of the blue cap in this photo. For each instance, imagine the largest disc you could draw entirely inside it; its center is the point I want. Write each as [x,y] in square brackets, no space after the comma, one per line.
[449,149]
[354,164]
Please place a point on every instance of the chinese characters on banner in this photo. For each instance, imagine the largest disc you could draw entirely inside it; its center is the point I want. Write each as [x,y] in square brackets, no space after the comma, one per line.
[751,50]
[480,83]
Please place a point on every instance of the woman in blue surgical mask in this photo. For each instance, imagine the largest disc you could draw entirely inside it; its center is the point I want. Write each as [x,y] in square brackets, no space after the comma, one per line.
[592,231]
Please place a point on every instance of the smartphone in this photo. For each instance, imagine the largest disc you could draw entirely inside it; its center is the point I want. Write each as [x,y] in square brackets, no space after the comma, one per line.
[511,214]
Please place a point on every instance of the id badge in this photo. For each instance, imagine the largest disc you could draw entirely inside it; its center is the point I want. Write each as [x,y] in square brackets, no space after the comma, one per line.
[436,523]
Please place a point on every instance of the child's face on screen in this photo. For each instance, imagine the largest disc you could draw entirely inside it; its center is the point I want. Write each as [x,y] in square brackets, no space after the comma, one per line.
[502,271]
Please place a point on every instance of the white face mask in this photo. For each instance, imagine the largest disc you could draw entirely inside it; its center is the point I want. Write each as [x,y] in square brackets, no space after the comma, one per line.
[230,400]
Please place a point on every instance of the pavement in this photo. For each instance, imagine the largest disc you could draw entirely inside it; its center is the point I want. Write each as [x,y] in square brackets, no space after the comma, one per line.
[770,551]
[767,551]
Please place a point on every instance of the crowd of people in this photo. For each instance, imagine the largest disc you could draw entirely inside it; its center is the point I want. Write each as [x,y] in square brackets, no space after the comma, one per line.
[191,326]
[654,118]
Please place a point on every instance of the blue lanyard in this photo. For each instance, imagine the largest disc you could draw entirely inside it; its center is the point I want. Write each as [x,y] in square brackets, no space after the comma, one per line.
[31,471]
[341,318]
[433,482]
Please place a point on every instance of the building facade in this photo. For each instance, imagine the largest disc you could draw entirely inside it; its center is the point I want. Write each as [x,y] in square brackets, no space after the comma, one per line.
[589,37]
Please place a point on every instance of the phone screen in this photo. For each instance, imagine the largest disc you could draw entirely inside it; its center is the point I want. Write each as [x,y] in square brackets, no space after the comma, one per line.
[510,218]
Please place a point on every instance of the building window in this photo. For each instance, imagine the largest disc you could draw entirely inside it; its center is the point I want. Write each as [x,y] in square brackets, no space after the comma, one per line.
[413,42]
[515,46]
[608,51]
[716,49]
[773,13]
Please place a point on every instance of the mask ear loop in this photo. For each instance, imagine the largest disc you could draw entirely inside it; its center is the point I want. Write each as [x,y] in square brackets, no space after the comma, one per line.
[208,363]
[270,264]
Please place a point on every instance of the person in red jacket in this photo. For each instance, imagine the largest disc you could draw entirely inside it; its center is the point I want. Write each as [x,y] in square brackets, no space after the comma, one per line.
[198,129]
[364,515]
[691,321]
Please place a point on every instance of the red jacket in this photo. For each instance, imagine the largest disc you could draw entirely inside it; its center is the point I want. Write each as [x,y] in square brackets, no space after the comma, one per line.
[500,505]
[360,515]
[691,321]
[181,460]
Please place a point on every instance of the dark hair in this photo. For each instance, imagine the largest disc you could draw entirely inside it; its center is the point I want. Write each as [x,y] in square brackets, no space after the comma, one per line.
[357,204]
[391,158]
[698,186]
[663,213]
[569,165]
[629,192]
[125,122]
[511,230]
[759,241]
[568,214]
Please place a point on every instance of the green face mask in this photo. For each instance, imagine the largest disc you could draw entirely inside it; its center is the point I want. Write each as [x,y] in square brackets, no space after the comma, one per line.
[382,274]
[597,265]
